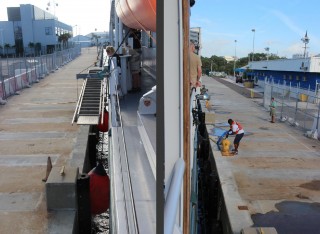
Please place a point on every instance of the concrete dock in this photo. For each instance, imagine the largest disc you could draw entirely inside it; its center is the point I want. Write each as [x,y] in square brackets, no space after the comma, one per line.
[274,181]
[36,125]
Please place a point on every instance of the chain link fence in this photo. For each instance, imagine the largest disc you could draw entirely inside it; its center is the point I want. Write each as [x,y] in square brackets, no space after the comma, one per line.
[299,107]
[19,73]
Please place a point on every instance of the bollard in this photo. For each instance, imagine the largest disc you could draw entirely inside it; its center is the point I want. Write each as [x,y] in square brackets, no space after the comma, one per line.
[83,195]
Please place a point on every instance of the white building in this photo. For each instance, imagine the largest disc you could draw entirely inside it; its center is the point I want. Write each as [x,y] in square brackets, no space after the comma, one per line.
[83,41]
[29,24]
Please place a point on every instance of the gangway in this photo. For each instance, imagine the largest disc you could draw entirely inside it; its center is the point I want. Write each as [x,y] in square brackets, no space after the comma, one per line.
[92,99]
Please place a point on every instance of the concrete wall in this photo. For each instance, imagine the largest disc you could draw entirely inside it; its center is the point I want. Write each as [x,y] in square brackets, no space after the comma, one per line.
[6,33]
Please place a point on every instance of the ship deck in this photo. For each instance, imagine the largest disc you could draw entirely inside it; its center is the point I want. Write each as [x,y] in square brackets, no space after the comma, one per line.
[133,177]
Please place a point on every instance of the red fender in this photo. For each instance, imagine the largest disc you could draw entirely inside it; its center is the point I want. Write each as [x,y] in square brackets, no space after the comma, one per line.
[99,190]
[104,127]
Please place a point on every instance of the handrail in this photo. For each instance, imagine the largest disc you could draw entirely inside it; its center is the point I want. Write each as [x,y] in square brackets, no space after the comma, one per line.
[172,201]
[127,197]
[101,103]
[76,112]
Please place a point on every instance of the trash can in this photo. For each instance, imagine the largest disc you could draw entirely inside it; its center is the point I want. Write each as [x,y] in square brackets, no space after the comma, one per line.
[248,84]
[303,97]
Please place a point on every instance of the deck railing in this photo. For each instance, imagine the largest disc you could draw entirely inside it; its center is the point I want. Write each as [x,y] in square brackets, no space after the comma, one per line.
[118,144]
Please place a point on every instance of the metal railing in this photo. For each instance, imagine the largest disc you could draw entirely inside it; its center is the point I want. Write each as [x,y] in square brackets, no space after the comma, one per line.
[19,73]
[300,107]
[129,207]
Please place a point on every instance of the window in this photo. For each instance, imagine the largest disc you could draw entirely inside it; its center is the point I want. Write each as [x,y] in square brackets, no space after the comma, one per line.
[290,77]
[284,77]
[304,78]
[48,30]
[297,77]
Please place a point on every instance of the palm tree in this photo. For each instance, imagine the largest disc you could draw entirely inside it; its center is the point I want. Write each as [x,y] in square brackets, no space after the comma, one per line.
[31,46]
[64,39]
[95,37]
[7,47]
[37,47]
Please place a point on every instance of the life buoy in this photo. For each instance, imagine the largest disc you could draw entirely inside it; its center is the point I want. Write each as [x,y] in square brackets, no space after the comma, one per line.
[99,190]
[104,127]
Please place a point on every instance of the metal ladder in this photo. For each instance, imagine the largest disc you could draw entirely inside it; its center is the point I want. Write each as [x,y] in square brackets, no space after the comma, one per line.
[91,102]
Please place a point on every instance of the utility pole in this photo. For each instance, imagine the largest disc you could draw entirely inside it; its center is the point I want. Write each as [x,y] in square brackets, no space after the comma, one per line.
[235,58]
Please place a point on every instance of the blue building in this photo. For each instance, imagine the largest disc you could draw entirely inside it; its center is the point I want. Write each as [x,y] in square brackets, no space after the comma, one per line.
[301,72]
[29,24]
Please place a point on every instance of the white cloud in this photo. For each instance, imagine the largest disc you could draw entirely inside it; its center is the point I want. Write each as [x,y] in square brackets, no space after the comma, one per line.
[288,22]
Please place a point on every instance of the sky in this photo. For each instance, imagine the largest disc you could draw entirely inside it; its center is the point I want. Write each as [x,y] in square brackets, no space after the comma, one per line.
[278,24]
[87,15]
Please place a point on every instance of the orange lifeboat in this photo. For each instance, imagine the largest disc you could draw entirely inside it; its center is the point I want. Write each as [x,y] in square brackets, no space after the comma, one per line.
[137,14]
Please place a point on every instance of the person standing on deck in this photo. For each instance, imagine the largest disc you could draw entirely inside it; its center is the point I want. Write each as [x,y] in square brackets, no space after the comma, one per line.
[135,61]
[195,67]
[235,129]
[273,106]
[112,54]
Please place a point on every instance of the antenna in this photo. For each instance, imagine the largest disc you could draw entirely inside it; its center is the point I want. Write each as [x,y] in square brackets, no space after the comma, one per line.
[305,40]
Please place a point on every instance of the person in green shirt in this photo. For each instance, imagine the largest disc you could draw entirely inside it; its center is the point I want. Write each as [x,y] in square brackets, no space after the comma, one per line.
[273,106]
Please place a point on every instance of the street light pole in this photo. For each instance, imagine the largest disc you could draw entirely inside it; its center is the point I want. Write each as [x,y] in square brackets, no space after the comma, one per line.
[235,58]
[254,32]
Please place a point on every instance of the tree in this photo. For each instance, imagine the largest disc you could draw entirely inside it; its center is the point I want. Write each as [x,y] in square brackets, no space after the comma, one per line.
[64,38]
[7,47]
[37,47]
[31,46]
[220,64]
[95,37]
